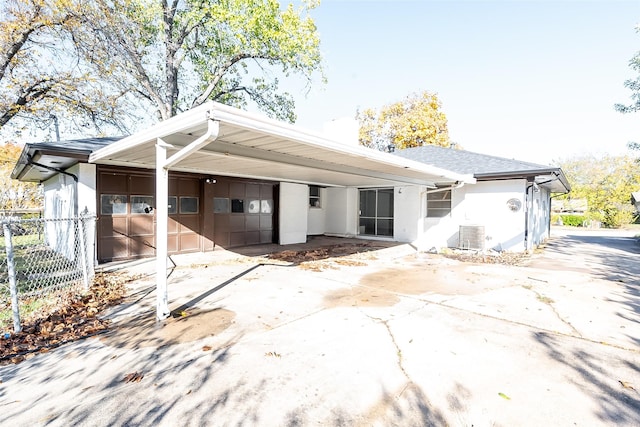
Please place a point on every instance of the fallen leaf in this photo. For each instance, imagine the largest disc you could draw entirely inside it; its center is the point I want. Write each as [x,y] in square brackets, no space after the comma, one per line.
[626,384]
[272,354]
[504,396]
[133,377]
[206,348]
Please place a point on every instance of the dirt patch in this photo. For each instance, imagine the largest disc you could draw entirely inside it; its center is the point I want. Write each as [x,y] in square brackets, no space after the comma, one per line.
[146,331]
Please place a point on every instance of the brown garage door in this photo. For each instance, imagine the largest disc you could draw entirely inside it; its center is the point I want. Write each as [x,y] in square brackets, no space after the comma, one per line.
[243,212]
[126,221]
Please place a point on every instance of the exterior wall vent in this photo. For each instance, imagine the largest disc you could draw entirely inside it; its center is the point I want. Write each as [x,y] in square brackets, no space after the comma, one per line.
[471,237]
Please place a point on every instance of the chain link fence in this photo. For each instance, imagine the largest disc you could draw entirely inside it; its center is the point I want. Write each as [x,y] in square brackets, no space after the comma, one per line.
[39,257]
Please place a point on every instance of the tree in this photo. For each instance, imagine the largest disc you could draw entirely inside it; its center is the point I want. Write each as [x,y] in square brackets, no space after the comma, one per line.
[111,63]
[40,77]
[606,183]
[633,85]
[415,121]
[174,55]
[16,194]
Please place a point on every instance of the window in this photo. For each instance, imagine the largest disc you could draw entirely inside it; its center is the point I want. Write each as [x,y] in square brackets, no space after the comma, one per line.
[188,205]
[220,205]
[314,196]
[172,205]
[113,204]
[141,204]
[266,206]
[439,204]
[237,205]
[254,207]
[376,212]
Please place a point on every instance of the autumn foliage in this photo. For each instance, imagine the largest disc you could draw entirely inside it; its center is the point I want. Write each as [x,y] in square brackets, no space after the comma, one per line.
[415,121]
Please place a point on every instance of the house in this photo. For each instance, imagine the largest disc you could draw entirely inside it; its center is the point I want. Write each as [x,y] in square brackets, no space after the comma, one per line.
[508,208]
[233,178]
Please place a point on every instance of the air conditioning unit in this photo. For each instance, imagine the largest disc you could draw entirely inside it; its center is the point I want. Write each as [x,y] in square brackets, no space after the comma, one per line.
[471,237]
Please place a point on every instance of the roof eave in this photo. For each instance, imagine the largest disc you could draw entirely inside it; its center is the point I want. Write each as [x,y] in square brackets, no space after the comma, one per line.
[526,174]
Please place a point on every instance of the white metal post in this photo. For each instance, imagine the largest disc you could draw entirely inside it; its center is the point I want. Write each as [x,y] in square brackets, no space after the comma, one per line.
[162,218]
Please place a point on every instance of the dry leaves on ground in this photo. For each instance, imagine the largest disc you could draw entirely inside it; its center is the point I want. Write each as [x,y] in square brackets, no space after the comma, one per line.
[74,317]
[325,252]
[506,258]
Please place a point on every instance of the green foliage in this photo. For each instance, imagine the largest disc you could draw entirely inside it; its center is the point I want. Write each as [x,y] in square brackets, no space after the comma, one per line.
[112,63]
[41,75]
[572,220]
[633,85]
[413,122]
[171,56]
[15,194]
[606,183]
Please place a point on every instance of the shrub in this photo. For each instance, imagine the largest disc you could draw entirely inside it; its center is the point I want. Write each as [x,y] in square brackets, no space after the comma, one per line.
[573,220]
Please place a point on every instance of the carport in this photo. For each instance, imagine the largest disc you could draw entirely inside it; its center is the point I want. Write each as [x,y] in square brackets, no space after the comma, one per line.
[219,140]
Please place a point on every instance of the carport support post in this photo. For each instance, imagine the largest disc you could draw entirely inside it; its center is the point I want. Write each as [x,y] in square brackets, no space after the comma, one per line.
[162,213]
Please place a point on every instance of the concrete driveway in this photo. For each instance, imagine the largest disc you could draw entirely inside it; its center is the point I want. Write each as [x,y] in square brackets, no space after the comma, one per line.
[382,338]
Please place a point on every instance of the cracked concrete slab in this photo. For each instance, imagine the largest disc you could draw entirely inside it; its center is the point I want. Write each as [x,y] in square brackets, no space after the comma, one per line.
[396,338]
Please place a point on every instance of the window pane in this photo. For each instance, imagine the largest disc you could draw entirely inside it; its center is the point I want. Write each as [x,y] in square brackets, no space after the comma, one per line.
[438,213]
[368,226]
[368,203]
[440,195]
[266,206]
[439,204]
[254,206]
[113,204]
[172,205]
[385,203]
[314,190]
[385,227]
[188,205]
[314,202]
[141,204]
[220,205]
[237,205]
[442,204]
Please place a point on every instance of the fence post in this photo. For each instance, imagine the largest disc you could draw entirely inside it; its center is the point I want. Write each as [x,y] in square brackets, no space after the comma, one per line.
[83,252]
[12,277]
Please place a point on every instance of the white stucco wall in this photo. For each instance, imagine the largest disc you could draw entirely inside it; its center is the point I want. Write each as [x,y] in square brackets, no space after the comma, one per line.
[341,212]
[294,210]
[317,216]
[65,199]
[484,204]
[407,220]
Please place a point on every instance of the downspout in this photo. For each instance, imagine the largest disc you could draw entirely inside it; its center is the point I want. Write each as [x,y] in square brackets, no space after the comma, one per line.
[163,164]
[51,168]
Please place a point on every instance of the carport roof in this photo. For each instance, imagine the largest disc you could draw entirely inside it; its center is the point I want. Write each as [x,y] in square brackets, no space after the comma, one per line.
[252,146]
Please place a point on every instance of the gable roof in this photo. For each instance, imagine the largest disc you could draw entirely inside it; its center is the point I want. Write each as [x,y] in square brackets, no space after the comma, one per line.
[40,161]
[485,167]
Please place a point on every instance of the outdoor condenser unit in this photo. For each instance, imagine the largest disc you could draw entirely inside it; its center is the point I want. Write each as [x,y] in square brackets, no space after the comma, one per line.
[471,237]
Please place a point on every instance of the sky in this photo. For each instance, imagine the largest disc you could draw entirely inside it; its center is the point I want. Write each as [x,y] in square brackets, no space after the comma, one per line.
[530,80]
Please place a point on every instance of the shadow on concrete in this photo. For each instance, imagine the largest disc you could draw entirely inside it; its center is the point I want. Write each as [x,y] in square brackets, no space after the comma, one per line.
[607,257]
[614,404]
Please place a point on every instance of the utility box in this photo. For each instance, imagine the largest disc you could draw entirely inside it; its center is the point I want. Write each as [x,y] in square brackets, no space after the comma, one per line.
[471,237]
